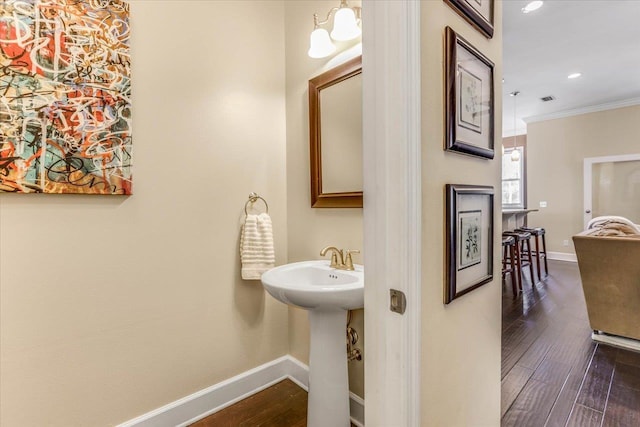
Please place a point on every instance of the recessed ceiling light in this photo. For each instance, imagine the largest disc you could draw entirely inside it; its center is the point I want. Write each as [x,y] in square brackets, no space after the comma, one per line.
[534,5]
[574,75]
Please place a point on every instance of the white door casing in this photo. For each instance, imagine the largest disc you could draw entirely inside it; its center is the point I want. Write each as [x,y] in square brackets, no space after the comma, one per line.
[392,209]
[589,163]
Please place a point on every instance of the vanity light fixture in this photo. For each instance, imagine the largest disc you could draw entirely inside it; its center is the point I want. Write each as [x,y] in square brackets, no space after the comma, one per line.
[515,154]
[534,5]
[574,75]
[320,44]
[345,27]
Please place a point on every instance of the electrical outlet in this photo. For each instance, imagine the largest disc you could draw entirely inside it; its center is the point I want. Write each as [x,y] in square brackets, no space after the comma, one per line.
[543,204]
[565,243]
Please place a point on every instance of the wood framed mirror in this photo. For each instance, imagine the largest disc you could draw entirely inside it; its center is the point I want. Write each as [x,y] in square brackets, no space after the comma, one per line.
[335,126]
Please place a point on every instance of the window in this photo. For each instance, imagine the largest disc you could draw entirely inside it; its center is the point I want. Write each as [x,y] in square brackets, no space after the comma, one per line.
[513,179]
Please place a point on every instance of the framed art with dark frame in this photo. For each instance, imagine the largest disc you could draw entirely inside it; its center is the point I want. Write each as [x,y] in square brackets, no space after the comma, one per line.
[469,98]
[469,240]
[478,13]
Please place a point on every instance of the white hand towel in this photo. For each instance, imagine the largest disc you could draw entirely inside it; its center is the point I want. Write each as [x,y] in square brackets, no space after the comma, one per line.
[257,253]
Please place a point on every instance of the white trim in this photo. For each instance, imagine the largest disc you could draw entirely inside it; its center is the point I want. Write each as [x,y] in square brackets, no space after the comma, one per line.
[615,341]
[392,208]
[356,408]
[203,403]
[619,158]
[298,372]
[587,195]
[583,110]
[214,398]
[588,180]
[518,132]
[562,256]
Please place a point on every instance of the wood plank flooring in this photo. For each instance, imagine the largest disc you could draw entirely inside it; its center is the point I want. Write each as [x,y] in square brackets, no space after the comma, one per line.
[552,373]
[281,405]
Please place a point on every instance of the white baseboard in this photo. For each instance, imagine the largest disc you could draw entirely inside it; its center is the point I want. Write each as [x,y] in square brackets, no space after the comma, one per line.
[212,399]
[562,256]
[615,341]
[356,407]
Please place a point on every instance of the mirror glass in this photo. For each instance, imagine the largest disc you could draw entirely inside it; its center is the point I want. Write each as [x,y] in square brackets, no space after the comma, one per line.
[341,130]
[335,125]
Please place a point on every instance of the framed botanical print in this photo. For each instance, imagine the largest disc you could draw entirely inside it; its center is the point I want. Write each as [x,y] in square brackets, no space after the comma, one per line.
[478,13]
[469,98]
[469,242]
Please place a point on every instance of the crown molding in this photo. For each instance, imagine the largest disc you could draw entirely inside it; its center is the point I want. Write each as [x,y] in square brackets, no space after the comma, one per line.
[583,110]
[510,132]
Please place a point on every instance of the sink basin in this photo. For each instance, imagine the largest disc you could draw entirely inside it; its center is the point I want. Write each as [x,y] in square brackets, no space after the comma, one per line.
[327,293]
[313,284]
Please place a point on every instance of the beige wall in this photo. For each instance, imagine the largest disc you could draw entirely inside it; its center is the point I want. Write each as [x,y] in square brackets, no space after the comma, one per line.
[460,341]
[113,306]
[310,229]
[556,150]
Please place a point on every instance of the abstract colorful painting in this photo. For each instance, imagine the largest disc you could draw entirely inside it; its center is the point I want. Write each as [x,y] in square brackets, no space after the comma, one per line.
[65,97]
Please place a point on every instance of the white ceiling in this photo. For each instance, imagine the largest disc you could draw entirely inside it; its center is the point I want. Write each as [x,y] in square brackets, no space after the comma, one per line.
[598,38]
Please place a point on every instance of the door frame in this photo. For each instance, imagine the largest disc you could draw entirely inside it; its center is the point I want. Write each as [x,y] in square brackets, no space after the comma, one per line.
[392,209]
[589,162]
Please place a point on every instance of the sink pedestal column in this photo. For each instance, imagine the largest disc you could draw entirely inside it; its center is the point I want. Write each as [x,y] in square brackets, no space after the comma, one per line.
[328,376]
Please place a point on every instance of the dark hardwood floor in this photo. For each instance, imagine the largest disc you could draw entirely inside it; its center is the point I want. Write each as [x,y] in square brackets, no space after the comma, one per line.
[552,373]
[281,405]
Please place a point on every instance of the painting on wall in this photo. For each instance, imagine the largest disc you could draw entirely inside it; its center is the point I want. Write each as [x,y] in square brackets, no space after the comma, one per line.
[478,13]
[470,238]
[469,242]
[470,96]
[65,97]
[469,99]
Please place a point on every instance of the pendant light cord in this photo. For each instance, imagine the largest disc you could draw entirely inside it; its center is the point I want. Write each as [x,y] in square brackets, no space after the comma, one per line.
[515,154]
[515,107]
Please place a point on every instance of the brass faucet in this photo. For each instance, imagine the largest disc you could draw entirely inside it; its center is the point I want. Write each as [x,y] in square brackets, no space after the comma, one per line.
[335,253]
[338,260]
[348,262]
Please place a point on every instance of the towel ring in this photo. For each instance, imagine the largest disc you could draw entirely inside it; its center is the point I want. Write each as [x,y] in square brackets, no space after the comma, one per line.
[253,197]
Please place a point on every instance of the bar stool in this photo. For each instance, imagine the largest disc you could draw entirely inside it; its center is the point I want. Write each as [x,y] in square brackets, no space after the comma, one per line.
[539,233]
[509,262]
[523,252]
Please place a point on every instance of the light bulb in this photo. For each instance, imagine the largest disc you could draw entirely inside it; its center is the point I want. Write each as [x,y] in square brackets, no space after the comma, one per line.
[320,44]
[345,26]
[534,5]
[515,155]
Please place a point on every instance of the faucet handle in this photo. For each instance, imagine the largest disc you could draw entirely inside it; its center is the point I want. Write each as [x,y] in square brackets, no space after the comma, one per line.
[348,261]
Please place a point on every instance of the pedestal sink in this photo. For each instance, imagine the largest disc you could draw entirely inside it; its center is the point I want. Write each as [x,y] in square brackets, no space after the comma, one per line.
[327,293]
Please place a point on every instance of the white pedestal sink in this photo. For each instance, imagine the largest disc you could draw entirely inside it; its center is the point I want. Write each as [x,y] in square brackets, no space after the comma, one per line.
[327,293]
